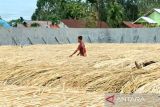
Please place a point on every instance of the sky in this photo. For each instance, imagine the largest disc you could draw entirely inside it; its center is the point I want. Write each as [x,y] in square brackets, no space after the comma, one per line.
[13,9]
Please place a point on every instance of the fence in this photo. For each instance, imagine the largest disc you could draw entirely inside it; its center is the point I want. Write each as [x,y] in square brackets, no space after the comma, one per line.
[32,36]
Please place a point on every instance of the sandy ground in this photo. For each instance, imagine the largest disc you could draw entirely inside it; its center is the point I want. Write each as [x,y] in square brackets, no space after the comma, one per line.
[44,76]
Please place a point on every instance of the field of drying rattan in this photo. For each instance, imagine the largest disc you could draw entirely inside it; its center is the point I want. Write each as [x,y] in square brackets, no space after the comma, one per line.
[44,75]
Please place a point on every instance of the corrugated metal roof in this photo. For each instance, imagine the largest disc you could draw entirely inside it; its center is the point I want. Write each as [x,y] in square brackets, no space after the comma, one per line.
[157,10]
[147,19]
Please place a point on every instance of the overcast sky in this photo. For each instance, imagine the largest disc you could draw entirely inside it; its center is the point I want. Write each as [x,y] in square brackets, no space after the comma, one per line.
[13,9]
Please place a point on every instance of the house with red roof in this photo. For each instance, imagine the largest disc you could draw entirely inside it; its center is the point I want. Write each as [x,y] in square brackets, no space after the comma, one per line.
[66,23]
[132,25]
[71,23]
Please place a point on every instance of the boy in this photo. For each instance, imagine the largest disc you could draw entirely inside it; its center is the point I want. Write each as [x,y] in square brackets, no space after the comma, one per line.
[81,48]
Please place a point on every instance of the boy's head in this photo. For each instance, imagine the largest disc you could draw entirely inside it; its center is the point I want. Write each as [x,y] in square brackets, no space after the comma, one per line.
[80,38]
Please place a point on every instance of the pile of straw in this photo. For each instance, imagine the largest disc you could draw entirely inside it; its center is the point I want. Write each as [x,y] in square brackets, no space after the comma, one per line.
[108,68]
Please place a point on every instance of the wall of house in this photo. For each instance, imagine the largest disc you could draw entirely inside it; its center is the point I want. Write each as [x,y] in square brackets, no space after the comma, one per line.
[32,36]
[155,16]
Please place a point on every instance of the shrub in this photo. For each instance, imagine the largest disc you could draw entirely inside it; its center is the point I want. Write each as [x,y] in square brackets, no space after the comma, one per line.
[35,25]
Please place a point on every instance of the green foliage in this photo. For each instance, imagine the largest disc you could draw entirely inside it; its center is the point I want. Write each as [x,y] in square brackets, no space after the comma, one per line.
[130,9]
[136,8]
[91,20]
[111,11]
[115,14]
[147,5]
[35,25]
[75,10]
[54,19]
[15,22]
[60,8]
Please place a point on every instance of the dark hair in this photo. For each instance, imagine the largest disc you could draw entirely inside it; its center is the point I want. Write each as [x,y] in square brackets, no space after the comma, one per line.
[80,37]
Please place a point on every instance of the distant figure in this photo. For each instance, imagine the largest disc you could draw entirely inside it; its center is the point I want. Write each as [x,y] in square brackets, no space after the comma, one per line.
[23,22]
[81,48]
[21,19]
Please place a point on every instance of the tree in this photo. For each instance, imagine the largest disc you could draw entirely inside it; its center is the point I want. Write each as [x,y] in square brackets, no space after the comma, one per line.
[97,6]
[74,9]
[110,11]
[115,14]
[47,8]
[147,5]
[136,8]
[91,20]
[54,20]
[35,25]
[15,22]
[130,9]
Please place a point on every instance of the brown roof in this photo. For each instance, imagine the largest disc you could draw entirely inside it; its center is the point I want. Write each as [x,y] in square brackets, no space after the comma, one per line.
[131,25]
[74,23]
[102,24]
[82,24]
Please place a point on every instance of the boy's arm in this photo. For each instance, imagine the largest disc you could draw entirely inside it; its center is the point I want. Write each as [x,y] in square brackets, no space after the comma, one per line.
[78,54]
[74,53]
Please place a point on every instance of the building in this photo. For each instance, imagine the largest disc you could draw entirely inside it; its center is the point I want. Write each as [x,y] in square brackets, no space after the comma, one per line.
[42,24]
[151,19]
[131,25]
[66,23]
[71,23]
